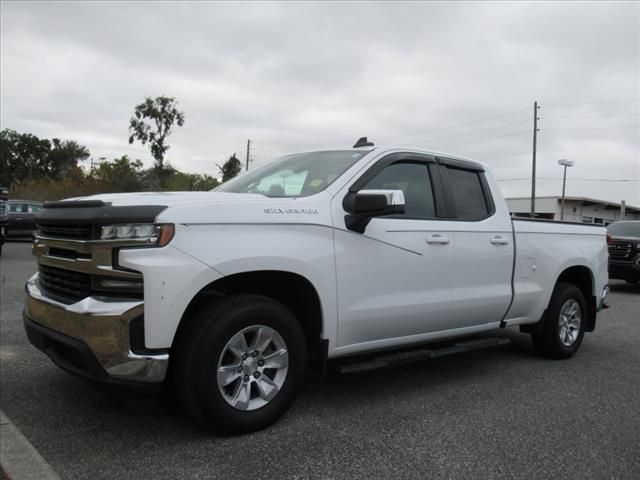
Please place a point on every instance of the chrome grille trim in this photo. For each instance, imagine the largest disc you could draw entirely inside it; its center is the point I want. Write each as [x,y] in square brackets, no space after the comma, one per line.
[619,249]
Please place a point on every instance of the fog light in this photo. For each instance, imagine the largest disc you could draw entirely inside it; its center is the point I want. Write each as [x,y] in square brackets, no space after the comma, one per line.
[111,283]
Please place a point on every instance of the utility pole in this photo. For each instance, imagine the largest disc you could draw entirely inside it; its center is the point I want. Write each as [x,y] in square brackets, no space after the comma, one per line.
[533,169]
[248,150]
[564,163]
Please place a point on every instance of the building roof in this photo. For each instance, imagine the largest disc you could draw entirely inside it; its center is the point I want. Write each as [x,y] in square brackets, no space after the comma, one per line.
[587,201]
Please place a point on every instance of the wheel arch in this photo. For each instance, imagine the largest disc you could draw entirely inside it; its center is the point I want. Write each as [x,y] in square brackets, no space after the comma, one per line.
[293,290]
[582,277]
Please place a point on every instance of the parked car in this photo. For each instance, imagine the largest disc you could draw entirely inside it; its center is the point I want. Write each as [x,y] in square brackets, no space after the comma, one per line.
[4,215]
[22,218]
[624,251]
[344,255]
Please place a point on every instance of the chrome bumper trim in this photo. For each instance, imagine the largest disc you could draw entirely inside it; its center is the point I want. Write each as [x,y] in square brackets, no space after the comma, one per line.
[102,323]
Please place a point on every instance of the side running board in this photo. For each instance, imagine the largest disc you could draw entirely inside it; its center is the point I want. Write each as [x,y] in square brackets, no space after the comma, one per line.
[394,359]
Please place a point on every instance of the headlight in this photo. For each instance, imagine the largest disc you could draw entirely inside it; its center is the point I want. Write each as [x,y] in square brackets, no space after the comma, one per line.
[151,234]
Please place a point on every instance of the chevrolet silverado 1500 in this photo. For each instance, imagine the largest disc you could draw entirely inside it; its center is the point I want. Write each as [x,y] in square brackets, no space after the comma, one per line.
[343,255]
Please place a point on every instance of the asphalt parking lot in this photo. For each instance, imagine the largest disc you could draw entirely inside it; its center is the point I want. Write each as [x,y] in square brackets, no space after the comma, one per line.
[498,413]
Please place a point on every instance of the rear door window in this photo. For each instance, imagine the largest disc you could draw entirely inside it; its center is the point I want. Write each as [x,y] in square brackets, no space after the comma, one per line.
[468,194]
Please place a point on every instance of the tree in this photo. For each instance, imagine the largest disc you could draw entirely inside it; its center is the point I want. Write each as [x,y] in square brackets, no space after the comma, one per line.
[22,156]
[152,122]
[181,181]
[231,168]
[64,156]
[119,175]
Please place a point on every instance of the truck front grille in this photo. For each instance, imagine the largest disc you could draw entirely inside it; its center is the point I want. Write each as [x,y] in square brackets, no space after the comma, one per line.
[619,250]
[68,285]
[70,232]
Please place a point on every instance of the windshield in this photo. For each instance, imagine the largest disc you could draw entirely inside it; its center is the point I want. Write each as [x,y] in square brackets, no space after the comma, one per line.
[625,229]
[297,175]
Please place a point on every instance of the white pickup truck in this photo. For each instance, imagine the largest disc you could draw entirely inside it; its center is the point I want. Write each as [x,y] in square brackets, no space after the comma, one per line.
[348,255]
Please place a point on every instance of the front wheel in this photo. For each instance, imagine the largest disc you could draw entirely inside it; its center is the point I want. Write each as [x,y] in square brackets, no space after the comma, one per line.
[240,362]
[564,323]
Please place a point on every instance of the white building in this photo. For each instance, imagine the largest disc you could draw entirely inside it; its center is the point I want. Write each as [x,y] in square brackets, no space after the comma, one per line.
[576,209]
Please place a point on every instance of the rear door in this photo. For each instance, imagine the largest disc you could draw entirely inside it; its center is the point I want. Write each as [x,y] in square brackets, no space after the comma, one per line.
[482,246]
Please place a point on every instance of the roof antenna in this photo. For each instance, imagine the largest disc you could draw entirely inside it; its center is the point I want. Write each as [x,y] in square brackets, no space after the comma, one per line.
[363,142]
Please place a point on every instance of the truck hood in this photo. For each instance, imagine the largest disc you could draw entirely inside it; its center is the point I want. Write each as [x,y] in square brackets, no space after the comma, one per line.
[171,199]
[191,208]
[625,238]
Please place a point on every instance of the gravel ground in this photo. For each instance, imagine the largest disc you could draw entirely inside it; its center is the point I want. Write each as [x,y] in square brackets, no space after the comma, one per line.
[498,413]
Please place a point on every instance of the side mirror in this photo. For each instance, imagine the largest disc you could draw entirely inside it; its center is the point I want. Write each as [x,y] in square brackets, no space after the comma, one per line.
[366,204]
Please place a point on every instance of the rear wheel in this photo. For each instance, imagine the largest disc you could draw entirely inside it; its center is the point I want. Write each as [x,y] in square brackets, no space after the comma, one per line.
[564,323]
[239,363]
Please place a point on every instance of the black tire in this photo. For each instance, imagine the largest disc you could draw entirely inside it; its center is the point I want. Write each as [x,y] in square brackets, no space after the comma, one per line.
[549,342]
[201,345]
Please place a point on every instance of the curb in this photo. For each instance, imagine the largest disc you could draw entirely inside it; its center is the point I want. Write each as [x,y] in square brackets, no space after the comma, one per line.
[18,458]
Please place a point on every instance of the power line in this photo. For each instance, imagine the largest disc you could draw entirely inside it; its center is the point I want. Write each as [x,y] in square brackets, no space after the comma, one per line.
[590,103]
[455,126]
[484,119]
[589,128]
[300,144]
[483,140]
[410,134]
[569,179]
[579,152]
[477,131]
[593,116]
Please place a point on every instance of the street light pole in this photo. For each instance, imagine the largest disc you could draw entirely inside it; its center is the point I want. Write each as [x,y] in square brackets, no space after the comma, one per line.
[564,163]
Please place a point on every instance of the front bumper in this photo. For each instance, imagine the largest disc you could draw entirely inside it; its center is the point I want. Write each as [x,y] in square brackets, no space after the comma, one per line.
[625,270]
[90,338]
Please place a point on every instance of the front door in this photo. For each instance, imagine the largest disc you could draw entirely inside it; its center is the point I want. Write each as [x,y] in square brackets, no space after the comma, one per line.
[394,280]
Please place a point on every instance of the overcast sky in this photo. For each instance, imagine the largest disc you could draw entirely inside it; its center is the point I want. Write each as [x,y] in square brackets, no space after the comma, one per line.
[298,76]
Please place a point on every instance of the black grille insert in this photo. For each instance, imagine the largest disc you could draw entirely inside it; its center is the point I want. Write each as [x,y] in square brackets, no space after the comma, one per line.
[69,254]
[68,285]
[72,232]
[620,250]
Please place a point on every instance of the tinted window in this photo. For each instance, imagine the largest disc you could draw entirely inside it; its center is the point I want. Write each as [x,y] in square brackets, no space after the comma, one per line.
[413,179]
[468,195]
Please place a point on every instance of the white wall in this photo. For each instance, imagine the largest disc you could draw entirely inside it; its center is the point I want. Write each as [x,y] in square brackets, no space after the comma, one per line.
[574,210]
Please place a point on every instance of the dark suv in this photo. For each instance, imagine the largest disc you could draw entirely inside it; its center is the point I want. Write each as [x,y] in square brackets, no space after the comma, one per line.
[4,215]
[624,251]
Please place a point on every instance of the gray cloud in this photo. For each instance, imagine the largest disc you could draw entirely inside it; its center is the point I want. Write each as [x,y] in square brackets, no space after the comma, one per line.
[294,76]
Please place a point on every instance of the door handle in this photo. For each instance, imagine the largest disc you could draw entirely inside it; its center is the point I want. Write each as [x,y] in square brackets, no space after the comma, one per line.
[437,239]
[499,241]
